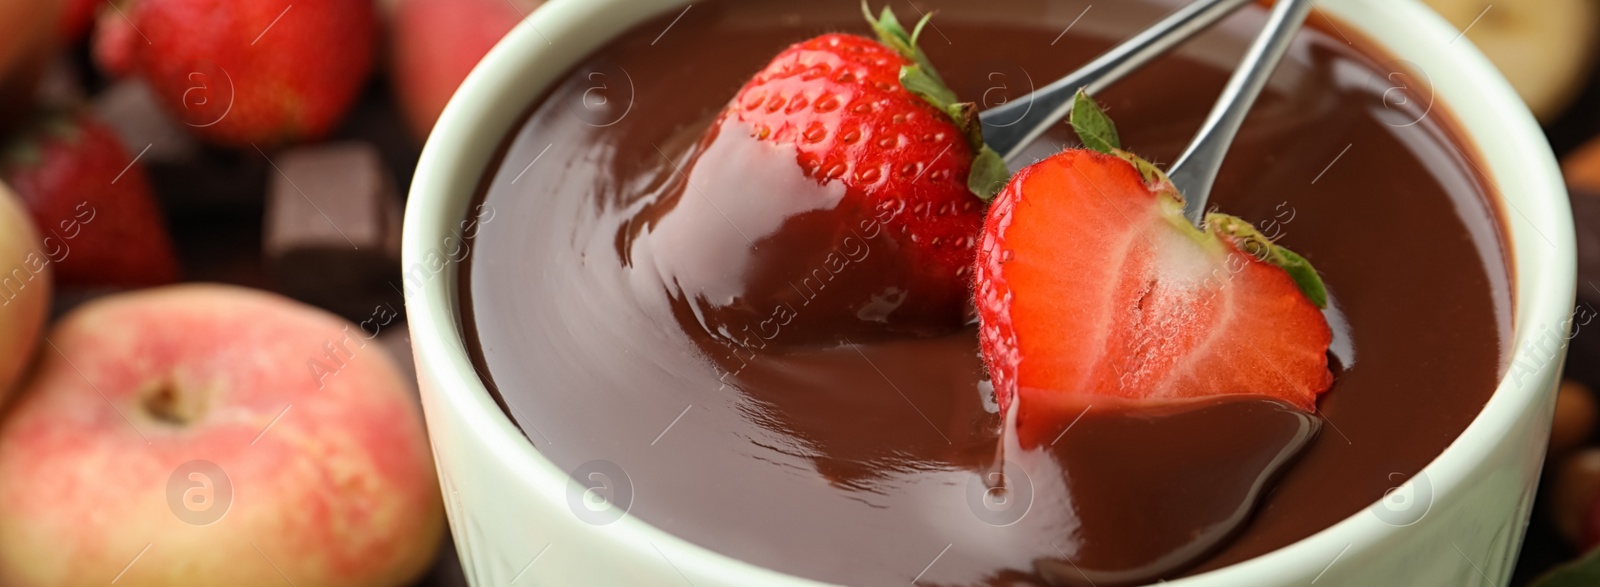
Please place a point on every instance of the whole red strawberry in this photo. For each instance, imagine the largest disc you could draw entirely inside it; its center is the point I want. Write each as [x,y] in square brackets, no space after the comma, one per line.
[242,72]
[875,116]
[76,18]
[92,204]
[434,44]
[897,166]
[1093,287]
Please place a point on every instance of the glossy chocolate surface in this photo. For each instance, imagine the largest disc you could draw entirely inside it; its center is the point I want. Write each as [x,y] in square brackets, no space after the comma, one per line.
[628,305]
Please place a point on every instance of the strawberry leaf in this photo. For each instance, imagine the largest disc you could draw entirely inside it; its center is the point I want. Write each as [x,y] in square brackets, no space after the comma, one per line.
[894,35]
[1253,242]
[988,174]
[1303,274]
[919,81]
[26,148]
[1094,128]
[20,153]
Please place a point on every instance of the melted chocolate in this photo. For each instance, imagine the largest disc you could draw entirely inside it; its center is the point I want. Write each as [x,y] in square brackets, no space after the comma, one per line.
[638,309]
[753,251]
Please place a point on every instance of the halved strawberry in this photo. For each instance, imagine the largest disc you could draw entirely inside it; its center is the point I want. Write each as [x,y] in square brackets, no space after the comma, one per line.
[1092,286]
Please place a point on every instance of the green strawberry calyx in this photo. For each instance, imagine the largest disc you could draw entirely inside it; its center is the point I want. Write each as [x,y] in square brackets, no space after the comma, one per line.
[989,173]
[26,148]
[1251,241]
[1099,134]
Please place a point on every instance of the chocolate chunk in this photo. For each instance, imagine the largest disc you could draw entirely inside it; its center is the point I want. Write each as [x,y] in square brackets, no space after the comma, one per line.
[60,84]
[216,182]
[332,228]
[193,181]
[375,119]
[131,109]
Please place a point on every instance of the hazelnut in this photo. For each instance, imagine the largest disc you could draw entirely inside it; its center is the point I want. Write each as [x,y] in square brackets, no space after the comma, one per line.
[1572,491]
[1574,418]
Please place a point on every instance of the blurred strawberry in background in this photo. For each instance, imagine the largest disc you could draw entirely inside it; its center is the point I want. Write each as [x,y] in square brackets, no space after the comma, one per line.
[435,45]
[76,17]
[245,72]
[82,188]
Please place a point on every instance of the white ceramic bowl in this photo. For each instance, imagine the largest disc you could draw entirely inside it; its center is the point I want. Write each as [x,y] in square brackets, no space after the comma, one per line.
[1459,522]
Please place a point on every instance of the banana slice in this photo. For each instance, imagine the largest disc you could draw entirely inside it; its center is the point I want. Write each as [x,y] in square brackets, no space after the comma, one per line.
[1544,47]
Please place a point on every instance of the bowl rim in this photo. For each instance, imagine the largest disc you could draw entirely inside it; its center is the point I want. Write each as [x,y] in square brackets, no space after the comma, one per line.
[562,32]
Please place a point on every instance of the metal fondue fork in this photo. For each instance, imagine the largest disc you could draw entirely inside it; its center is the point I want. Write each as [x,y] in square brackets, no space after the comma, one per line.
[1008,132]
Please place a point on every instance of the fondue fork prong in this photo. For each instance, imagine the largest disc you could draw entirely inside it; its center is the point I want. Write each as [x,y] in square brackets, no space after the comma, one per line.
[1196,169]
[1011,127]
